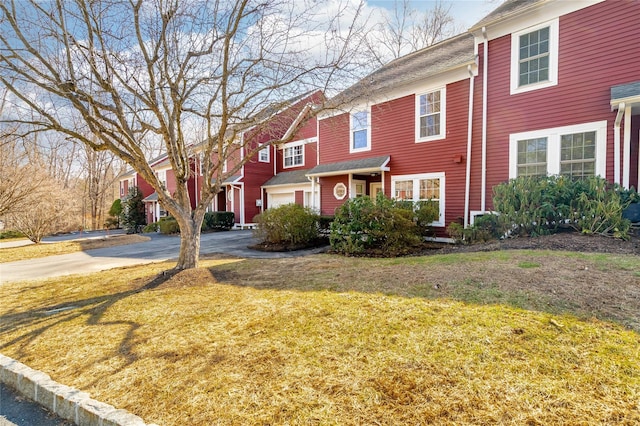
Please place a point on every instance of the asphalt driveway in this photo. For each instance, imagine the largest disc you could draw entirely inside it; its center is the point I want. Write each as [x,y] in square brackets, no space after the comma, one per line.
[158,249]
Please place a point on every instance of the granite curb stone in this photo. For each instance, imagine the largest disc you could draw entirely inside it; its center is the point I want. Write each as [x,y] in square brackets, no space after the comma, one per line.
[67,402]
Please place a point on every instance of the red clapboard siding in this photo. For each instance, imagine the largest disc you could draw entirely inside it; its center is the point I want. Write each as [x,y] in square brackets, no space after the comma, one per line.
[593,56]
[329,203]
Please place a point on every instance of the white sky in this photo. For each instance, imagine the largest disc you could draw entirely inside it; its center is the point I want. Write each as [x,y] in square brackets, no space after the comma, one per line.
[465,12]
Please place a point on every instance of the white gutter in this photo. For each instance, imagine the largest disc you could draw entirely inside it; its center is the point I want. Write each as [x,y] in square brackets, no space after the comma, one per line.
[467,187]
[616,143]
[485,66]
[626,154]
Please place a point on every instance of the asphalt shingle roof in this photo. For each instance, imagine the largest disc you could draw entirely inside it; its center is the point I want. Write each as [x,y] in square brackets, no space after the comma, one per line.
[505,10]
[625,90]
[295,177]
[353,166]
[440,57]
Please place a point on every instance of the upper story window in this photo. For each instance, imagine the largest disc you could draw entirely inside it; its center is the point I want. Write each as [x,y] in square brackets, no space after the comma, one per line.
[360,134]
[430,120]
[534,57]
[263,155]
[294,156]
[577,151]
[162,177]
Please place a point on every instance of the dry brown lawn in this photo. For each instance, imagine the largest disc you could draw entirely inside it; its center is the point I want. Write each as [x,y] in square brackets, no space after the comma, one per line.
[473,338]
[33,251]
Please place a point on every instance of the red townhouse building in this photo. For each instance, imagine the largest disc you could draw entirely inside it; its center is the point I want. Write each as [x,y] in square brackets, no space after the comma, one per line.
[557,92]
[253,187]
[275,175]
[402,130]
[536,87]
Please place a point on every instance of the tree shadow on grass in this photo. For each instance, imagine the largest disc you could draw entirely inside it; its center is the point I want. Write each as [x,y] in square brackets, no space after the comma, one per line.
[93,308]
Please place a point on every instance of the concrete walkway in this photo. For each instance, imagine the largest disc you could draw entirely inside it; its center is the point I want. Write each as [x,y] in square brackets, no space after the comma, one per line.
[159,249]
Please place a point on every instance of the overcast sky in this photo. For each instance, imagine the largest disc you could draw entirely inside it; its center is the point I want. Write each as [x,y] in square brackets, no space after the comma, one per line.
[465,12]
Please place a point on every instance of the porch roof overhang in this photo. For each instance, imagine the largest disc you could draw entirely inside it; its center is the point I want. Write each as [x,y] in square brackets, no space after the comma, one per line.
[230,180]
[152,198]
[627,94]
[296,177]
[365,165]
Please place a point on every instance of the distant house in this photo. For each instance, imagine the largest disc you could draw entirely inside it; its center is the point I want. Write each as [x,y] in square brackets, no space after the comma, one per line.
[252,188]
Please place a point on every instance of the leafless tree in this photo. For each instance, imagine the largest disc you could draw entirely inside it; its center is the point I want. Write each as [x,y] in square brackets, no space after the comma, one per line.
[99,177]
[404,29]
[191,75]
[43,210]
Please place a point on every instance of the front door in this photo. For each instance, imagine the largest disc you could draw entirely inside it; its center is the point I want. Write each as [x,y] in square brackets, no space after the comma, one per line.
[374,189]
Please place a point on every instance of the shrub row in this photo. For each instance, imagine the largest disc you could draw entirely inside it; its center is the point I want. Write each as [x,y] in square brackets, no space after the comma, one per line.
[218,221]
[531,206]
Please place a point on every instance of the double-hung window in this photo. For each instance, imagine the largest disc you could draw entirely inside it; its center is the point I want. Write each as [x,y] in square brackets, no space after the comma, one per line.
[294,156]
[532,157]
[534,57]
[360,134]
[577,151]
[430,120]
[422,187]
[263,154]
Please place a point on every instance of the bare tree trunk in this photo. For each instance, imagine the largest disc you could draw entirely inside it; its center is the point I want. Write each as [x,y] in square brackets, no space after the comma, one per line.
[189,241]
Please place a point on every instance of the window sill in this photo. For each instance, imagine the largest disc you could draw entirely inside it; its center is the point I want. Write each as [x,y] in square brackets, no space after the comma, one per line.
[431,139]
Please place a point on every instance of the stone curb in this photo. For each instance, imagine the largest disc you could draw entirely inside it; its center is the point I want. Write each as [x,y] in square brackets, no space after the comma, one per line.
[67,402]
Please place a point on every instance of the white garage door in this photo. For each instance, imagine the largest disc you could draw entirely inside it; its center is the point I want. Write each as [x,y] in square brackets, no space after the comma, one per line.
[277,200]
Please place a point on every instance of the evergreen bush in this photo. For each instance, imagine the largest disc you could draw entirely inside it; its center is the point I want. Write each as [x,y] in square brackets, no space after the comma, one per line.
[218,221]
[290,224]
[386,227]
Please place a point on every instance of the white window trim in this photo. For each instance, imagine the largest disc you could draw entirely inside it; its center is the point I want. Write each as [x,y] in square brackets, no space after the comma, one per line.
[284,152]
[553,58]
[368,147]
[416,190]
[443,115]
[263,150]
[553,146]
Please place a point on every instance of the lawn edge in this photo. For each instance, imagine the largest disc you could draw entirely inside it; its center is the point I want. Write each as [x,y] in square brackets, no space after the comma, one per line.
[65,401]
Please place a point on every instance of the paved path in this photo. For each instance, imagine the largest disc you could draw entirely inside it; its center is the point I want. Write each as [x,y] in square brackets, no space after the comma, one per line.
[160,248]
[85,235]
[15,410]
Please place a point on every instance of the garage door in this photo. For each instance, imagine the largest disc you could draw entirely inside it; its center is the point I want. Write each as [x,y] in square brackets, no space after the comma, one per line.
[277,200]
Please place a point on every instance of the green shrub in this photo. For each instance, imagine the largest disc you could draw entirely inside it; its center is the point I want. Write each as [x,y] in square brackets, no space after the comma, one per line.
[485,228]
[152,227]
[456,232]
[362,225]
[218,221]
[290,224]
[11,234]
[426,212]
[598,208]
[540,205]
[168,225]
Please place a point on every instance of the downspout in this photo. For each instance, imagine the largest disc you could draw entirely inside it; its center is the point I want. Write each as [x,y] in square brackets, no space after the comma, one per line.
[616,143]
[485,67]
[467,188]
